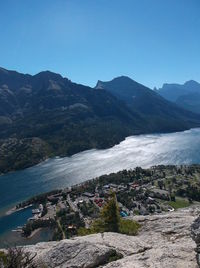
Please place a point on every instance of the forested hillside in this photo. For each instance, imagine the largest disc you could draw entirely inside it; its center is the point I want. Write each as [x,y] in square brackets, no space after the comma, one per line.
[47,115]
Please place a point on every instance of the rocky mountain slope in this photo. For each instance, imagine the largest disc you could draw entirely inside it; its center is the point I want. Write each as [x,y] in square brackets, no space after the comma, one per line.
[186,95]
[159,113]
[163,241]
[49,112]
[65,117]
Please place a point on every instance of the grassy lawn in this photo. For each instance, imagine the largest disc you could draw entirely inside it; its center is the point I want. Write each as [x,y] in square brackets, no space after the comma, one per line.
[180,203]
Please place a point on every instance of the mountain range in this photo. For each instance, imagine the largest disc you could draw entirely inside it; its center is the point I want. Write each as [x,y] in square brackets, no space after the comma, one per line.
[160,114]
[186,96]
[45,115]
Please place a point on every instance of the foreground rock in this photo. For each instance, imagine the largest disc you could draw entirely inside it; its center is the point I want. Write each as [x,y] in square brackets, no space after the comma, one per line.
[164,241]
[195,233]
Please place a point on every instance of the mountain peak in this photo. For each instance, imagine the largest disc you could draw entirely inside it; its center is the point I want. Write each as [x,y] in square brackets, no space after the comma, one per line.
[123,78]
[118,81]
[191,83]
[185,95]
[48,75]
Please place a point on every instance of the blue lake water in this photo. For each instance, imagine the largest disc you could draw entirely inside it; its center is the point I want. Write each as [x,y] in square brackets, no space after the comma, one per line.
[143,150]
[13,220]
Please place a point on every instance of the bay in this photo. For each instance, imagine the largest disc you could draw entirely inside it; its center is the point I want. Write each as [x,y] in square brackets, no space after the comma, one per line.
[143,150]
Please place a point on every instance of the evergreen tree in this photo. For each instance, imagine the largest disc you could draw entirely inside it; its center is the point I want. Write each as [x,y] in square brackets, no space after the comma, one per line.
[110,215]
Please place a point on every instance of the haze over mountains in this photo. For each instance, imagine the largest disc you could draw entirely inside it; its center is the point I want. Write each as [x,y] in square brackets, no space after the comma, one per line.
[46,115]
[186,95]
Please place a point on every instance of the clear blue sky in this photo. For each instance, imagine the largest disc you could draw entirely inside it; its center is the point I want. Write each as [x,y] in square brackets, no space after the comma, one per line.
[152,41]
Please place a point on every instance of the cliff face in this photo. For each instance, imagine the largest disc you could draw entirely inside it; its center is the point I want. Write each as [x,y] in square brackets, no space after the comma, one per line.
[164,241]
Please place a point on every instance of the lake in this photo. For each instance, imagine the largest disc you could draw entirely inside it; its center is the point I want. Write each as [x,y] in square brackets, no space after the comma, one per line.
[143,150]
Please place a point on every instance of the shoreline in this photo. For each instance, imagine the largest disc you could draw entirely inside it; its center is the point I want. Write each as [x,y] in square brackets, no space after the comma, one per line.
[46,158]
[125,182]
[14,209]
[33,233]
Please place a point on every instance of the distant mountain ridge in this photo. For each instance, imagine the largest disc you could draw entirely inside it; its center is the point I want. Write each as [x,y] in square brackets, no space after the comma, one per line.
[159,112]
[45,115]
[186,96]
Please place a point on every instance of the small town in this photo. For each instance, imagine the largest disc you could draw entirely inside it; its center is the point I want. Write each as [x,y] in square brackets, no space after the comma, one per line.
[139,191]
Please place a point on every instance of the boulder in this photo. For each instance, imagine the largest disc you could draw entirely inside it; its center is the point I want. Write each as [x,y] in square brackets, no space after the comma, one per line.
[163,241]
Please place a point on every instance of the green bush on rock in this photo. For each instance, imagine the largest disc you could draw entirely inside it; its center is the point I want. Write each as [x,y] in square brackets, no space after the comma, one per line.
[110,221]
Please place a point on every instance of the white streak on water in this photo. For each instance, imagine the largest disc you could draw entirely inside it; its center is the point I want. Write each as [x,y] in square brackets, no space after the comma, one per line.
[143,150]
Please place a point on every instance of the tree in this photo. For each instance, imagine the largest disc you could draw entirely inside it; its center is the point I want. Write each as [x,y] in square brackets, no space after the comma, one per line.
[110,215]
[160,184]
[173,197]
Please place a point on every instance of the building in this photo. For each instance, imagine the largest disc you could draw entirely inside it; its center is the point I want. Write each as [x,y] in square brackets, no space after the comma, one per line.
[89,195]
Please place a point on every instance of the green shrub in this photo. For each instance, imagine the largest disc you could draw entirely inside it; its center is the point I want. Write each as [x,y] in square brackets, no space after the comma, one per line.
[115,256]
[128,227]
[3,259]
[82,231]
[110,221]
[16,257]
